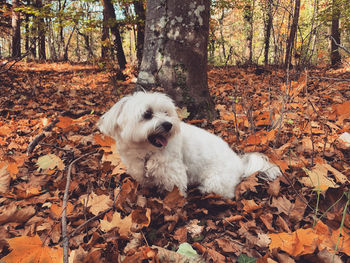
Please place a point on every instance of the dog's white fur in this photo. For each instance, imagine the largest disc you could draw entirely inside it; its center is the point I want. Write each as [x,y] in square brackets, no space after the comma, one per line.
[180,156]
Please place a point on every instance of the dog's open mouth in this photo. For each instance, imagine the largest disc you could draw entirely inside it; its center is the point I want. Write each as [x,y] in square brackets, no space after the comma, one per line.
[157,140]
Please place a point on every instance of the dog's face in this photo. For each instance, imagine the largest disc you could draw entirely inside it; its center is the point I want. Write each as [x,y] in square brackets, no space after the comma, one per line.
[142,118]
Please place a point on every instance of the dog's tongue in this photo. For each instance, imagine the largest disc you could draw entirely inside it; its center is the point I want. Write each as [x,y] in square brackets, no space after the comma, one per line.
[161,140]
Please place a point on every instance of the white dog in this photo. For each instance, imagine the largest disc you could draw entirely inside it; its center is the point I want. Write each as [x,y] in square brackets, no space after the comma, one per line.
[160,150]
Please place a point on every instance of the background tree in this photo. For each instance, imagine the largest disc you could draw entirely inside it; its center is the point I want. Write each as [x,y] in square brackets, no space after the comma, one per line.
[16,29]
[292,34]
[175,53]
[140,23]
[268,27]
[114,27]
[335,33]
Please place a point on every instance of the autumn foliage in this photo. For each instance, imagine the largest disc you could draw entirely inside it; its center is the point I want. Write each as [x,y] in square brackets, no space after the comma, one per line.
[302,126]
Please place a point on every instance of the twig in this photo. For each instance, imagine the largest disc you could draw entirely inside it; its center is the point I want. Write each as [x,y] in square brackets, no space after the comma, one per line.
[39,137]
[64,205]
[72,234]
[328,78]
[338,45]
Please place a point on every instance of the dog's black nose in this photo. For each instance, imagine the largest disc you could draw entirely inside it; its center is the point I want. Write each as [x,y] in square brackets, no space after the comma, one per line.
[167,126]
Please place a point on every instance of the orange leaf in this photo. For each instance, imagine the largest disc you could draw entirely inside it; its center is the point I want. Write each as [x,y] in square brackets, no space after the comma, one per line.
[31,249]
[64,122]
[250,205]
[104,140]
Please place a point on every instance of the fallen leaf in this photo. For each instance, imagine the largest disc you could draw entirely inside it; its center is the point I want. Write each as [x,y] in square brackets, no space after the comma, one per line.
[30,249]
[318,178]
[123,225]
[50,161]
[250,205]
[96,203]
[5,178]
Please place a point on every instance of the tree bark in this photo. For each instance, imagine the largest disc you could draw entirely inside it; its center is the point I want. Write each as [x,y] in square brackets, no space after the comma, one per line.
[249,18]
[112,22]
[293,32]
[16,30]
[140,18]
[335,34]
[175,53]
[42,34]
[268,27]
[105,36]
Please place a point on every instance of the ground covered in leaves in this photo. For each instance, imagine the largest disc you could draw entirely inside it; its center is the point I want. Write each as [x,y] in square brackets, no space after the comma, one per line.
[301,120]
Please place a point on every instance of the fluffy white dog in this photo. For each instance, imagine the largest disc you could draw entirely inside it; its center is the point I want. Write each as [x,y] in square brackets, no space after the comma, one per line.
[160,150]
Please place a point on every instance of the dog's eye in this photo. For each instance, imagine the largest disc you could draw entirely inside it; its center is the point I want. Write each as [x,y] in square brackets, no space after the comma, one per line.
[148,115]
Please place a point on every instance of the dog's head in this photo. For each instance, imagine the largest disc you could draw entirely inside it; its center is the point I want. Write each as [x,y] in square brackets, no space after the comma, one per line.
[141,117]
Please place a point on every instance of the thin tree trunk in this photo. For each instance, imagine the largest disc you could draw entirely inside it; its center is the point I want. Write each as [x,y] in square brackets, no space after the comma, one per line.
[335,34]
[222,38]
[110,12]
[16,30]
[293,31]
[52,49]
[65,56]
[140,24]
[105,36]
[249,18]
[268,31]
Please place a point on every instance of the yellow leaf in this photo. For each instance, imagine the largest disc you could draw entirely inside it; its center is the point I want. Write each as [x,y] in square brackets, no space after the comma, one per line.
[318,178]
[5,178]
[123,225]
[96,203]
[30,249]
[50,161]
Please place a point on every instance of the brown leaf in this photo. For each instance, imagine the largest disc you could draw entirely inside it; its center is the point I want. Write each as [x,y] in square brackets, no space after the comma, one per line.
[174,199]
[228,246]
[16,214]
[282,204]
[274,187]
[181,234]
[298,210]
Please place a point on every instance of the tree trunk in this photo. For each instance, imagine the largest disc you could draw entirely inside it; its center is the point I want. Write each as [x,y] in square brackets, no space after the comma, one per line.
[16,30]
[105,36]
[268,27]
[335,34]
[249,18]
[140,17]
[293,32]
[41,34]
[175,53]
[65,55]
[52,48]
[87,45]
[112,22]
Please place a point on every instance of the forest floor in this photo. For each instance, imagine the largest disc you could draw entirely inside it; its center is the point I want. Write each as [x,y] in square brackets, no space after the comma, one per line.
[303,216]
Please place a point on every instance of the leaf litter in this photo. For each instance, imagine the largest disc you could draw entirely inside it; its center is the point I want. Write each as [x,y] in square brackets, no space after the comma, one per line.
[303,127]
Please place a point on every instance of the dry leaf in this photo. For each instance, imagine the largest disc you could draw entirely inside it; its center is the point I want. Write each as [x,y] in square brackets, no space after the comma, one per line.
[31,249]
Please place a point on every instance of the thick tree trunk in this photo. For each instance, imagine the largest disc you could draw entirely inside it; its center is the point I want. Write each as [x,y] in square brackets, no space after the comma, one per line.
[112,21]
[335,34]
[268,27]
[16,30]
[141,18]
[175,53]
[293,32]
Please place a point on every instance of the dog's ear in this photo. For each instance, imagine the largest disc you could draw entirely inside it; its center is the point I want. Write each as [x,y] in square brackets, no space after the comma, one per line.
[110,121]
